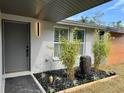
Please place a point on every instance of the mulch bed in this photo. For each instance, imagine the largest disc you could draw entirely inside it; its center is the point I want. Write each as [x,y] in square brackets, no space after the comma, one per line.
[60,81]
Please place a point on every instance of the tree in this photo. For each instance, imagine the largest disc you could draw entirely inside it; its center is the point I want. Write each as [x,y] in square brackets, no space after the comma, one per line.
[84,19]
[91,21]
[118,24]
[68,55]
[97,18]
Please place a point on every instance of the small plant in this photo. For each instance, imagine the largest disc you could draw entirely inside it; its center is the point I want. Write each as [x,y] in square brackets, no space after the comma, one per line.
[100,48]
[68,55]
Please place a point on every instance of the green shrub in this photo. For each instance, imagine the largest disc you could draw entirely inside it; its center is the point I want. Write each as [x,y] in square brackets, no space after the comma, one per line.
[101,48]
[68,55]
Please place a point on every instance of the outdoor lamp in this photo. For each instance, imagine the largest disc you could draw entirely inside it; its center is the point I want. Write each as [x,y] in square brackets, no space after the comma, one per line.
[38,28]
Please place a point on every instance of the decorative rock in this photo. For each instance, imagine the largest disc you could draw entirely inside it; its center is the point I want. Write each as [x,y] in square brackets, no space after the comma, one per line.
[43,75]
[108,73]
[96,77]
[112,73]
[50,79]
[51,90]
[75,82]
[58,78]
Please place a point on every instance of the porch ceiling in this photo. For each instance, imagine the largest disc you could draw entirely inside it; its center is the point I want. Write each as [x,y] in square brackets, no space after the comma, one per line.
[49,10]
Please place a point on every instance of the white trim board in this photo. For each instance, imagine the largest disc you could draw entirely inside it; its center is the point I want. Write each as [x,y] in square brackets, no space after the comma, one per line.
[16,74]
[3,85]
[38,84]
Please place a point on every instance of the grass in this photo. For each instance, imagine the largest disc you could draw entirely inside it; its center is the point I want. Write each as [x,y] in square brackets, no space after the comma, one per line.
[115,85]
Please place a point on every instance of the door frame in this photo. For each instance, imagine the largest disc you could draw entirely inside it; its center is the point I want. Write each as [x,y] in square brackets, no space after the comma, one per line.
[3,41]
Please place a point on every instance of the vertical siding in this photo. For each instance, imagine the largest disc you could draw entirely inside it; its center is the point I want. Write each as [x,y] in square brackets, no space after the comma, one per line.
[117,49]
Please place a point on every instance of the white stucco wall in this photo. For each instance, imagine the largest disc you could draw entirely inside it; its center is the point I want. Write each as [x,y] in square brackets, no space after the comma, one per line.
[40,51]
[89,43]
[0,54]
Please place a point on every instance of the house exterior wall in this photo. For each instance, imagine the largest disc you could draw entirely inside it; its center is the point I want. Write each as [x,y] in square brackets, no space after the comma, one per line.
[0,54]
[41,54]
[40,51]
[89,43]
[116,54]
[43,61]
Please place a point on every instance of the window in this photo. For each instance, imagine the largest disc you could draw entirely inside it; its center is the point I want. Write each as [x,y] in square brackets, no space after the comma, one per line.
[59,32]
[79,35]
[101,34]
[64,32]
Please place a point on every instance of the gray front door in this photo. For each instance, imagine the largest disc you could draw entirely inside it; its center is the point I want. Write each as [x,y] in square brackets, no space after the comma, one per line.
[16,46]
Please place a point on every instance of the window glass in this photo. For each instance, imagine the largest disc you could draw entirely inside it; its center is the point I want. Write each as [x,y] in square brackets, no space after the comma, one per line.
[56,50]
[101,34]
[79,35]
[56,35]
[64,33]
[59,32]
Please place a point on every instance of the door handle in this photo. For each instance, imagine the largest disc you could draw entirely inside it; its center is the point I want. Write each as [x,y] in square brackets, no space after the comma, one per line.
[27,51]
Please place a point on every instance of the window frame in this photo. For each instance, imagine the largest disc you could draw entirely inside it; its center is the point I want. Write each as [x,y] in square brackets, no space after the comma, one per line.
[84,42]
[70,37]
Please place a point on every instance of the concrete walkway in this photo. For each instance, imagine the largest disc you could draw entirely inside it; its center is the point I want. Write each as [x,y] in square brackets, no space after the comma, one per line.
[23,84]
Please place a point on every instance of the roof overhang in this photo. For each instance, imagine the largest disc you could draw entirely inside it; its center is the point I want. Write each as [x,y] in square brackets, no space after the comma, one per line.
[80,24]
[90,26]
[49,10]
